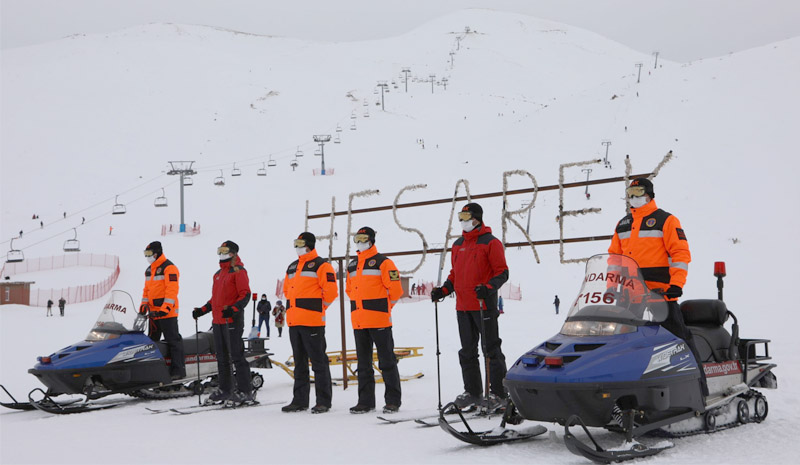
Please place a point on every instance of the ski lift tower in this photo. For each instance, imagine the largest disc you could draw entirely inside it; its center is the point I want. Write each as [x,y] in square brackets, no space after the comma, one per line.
[321,139]
[406,71]
[182,169]
[383,85]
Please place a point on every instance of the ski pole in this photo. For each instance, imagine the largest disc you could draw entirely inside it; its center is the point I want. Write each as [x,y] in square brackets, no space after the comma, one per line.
[438,370]
[485,357]
[197,358]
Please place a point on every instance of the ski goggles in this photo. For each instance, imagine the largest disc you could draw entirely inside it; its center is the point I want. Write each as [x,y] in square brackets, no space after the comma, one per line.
[635,191]
[465,215]
[223,250]
[299,243]
[359,238]
[148,253]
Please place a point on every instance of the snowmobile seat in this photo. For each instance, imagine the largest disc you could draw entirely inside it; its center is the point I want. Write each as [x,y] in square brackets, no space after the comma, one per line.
[705,319]
[206,341]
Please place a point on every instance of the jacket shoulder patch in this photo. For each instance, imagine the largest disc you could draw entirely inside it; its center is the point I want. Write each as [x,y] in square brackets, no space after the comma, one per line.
[681,234]
[173,277]
[394,275]
[331,277]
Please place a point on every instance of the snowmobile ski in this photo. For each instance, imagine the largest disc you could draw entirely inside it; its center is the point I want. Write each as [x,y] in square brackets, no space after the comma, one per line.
[630,450]
[47,404]
[498,435]
[14,404]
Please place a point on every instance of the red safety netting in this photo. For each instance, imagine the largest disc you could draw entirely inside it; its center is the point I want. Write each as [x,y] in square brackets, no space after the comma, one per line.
[176,228]
[72,294]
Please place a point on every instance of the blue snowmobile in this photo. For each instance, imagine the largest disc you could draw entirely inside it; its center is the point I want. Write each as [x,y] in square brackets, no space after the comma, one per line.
[116,357]
[613,366]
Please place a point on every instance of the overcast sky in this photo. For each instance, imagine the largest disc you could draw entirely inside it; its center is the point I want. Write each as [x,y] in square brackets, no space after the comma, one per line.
[682,30]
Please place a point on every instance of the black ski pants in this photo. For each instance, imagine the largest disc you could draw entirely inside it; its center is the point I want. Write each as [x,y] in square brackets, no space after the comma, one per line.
[308,343]
[169,328]
[229,336]
[387,364]
[675,324]
[469,329]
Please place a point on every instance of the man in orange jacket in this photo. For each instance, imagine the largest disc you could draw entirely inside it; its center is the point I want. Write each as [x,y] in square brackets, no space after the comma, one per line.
[160,300]
[310,287]
[373,285]
[656,240]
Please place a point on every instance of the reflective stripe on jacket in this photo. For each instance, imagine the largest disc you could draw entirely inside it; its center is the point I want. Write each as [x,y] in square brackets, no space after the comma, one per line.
[477,258]
[161,287]
[310,287]
[655,239]
[373,285]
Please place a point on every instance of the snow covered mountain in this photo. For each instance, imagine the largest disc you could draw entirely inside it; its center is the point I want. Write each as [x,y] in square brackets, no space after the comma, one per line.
[92,117]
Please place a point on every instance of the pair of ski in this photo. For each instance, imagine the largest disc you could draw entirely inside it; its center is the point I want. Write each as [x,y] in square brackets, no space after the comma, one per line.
[192,409]
[429,420]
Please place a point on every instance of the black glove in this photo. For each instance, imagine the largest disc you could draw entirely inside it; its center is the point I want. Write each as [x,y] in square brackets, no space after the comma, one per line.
[227,311]
[144,308]
[673,292]
[157,313]
[438,293]
[483,291]
[197,313]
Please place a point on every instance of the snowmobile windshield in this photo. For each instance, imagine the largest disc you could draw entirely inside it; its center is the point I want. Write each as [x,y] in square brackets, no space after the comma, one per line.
[118,316]
[614,291]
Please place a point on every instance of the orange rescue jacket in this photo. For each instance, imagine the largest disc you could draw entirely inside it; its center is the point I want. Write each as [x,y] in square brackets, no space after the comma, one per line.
[161,287]
[655,239]
[373,285]
[310,287]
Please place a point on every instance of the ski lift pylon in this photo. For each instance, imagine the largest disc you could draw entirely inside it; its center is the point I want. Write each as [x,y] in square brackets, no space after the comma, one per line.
[14,255]
[219,180]
[263,170]
[118,209]
[162,200]
[236,171]
[72,245]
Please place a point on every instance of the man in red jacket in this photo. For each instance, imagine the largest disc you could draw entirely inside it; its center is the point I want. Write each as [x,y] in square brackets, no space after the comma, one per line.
[230,294]
[478,270]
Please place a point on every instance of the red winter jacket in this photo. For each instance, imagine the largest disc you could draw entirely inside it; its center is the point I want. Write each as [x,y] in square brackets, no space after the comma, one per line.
[477,257]
[231,288]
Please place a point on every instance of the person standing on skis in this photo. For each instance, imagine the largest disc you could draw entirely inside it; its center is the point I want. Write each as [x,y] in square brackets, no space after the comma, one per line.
[373,286]
[230,294]
[478,271]
[160,301]
[656,240]
[310,287]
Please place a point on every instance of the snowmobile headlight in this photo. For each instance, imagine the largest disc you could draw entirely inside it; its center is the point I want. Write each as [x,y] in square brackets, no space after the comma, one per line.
[595,328]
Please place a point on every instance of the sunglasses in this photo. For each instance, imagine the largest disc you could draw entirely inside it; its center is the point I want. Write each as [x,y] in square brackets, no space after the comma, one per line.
[635,191]
[299,243]
[464,216]
[223,250]
[359,238]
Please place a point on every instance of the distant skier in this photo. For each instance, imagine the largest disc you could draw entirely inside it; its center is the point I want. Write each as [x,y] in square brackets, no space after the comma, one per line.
[263,309]
[61,304]
[49,307]
[556,302]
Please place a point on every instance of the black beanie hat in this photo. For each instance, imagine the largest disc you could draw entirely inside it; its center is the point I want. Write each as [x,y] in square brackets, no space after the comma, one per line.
[311,240]
[231,245]
[155,246]
[369,232]
[647,184]
[475,209]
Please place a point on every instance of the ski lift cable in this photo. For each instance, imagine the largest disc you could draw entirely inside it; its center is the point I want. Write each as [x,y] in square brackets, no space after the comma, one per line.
[95,205]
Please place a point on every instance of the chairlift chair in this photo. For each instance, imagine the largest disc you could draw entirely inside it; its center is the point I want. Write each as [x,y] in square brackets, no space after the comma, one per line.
[375,91]
[338,128]
[162,200]
[299,153]
[271,162]
[318,153]
[219,180]
[366,104]
[14,255]
[236,171]
[366,114]
[118,209]
[353,115]
[72,245]
[262,171]
[353,126]
[338,139]
[187,181]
